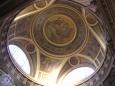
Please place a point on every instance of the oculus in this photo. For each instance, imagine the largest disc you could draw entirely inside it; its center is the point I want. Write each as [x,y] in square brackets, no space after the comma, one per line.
[76,76]
[20,58]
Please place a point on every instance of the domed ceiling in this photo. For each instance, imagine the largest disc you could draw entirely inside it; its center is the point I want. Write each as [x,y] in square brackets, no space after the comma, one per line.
[57,37]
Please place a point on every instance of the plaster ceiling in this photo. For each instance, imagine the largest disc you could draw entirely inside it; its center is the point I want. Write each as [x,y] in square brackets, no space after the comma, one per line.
[58,37]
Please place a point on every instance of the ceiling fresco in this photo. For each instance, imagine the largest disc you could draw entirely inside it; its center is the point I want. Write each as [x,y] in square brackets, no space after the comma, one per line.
[58,37]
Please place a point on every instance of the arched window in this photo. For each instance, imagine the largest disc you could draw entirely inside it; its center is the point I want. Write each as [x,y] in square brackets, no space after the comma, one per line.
[76,76]
[20,57]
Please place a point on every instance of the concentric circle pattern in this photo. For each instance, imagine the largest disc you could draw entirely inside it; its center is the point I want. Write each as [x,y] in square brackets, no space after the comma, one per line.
[59,30]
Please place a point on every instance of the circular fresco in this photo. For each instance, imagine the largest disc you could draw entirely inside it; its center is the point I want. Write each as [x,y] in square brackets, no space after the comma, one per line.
[59,30]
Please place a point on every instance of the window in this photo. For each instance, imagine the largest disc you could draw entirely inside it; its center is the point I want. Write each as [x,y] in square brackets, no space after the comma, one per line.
[76,76]
[20,57]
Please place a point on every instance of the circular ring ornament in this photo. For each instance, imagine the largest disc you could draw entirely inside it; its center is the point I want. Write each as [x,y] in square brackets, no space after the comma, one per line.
[73,61]
[91,20]
[42,4]
[59,31]
[30,48]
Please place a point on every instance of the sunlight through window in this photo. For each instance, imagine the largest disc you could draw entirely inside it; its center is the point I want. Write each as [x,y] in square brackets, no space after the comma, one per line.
[77,76]
[20,57]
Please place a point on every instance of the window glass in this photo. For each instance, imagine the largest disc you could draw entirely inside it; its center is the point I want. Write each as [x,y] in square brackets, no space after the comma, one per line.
[76,76]
[20,57]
